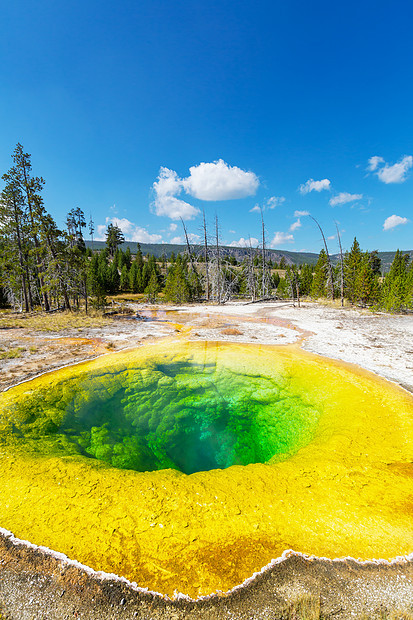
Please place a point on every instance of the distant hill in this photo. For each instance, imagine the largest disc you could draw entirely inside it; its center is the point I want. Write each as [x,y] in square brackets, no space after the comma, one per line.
[291,258]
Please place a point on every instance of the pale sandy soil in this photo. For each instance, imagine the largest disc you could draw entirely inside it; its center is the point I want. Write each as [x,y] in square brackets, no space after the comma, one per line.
[378,342]
[381,343]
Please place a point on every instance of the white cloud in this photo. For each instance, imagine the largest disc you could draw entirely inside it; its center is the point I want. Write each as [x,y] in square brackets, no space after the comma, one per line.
[281,238]
[396,173]
[207,181]
[173,227]
[393,221]
[219,181]
[166,188]
[295,225]
[374,163]
[314,186]
[331,237]
[232,232]
[242,243]
[343,197]
[274,201]
[177,240]
[100,232]
[271,203]
[301,213]
[131,231]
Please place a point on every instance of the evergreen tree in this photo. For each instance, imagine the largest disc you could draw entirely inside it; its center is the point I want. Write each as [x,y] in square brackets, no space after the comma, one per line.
[177,288]
[397,290]
[124,279]
[114,238]
[366,289]
[352,263]
[306,279]
[153,288]
[319,283]
[97,282]
[14,257]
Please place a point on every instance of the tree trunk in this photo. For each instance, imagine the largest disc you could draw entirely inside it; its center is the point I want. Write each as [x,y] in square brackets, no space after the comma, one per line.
[330,269]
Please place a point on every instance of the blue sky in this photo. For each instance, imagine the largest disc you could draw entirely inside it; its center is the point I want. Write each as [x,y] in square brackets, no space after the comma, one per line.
[143,111]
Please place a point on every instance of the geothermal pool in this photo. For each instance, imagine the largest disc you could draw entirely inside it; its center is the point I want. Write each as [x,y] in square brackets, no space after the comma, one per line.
[188,467]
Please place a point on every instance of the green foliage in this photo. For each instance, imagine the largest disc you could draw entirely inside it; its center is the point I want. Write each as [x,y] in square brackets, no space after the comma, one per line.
[319,282]
[397,290]
[114,238]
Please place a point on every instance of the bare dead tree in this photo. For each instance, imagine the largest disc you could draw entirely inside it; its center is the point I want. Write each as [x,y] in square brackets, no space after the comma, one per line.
[329,266]
[263,255]
[250,273]
[341,266]
[291,283]
[218,261]
[188,247]
[206,258]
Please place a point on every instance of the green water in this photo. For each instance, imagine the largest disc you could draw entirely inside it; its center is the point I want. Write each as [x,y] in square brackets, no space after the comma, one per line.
[178,415]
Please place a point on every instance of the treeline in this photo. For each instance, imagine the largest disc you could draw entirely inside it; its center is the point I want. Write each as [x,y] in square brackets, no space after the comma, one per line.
[43,267]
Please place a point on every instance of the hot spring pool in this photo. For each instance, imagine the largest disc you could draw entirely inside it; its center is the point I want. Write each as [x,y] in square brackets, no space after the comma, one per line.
[190,468]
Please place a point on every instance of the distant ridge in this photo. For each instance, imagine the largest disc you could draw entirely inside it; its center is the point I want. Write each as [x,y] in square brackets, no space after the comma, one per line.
[291,258]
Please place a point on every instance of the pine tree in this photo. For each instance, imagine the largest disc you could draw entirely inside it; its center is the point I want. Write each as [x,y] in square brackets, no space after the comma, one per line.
[124,279]
[397,289]
[319,284]
[306,279]
[30,188]
[352,263]
[114,238]
[177,288]
[366,283]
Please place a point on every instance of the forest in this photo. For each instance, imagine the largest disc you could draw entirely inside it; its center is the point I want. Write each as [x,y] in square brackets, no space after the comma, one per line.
[43,268]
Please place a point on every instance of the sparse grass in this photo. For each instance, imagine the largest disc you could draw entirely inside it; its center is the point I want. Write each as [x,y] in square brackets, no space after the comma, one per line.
[306,607]
[53,322]
[9,354]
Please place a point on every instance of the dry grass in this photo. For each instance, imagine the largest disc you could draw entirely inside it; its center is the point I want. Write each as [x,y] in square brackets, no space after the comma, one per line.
[53,322]
[9,354]
[307,607]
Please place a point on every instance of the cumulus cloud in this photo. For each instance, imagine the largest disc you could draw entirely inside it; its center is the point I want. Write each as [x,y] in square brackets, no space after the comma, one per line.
[281,238]
[393,221]
[295,225]
[207,181]
[331,237]
[177,240]
[271,203]
[244,243]
[131,231]
[219,181]
[314,186]
[166,188]
[374,163]
[173,227]
[397,173]
[100,232]
[343,197]
[301,213]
